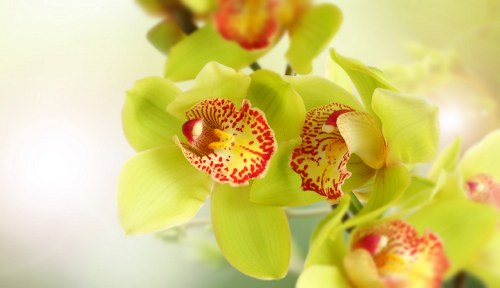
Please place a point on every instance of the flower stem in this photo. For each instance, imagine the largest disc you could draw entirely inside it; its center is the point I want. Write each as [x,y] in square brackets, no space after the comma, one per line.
[460,280]
[356,205]
[255,66]
[184,19]
[289,71]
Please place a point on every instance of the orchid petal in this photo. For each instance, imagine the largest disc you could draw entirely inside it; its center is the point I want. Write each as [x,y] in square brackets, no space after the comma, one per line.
[361,269]
[485,265]
[363,136]
[165,35]
[158,189]
[418,193]
[254,239]
[410,126]
[449,186]
[284,108]
[317,91]
[145,121]
[189,56]
[214,81]
[234,145]
[327,245]
[321,158]
[447,160]
[337,75]
[200,6]
[281,186]
[484,157]
[322,277]
[361,173]
[365,79]
[463,235]
[311,34]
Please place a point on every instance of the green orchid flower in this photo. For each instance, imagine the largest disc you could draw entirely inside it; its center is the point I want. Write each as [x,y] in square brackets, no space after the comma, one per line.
[389,253]
[346,142]
[231,137]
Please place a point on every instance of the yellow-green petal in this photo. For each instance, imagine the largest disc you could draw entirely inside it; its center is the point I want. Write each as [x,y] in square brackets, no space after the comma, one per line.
[200,6]
[363,136]
[158,189]
[418,193]
[283,107]
[464,227]
[145,122]
[447,160]
[165,35]
[190,55]
[317,91]
[327,245]
[484,157]
[366,79]
[214,81]
[282,186]
[361,173]
[254,239]
[322,276]
[361,268]
[337,75]
[311,34]
[485,265]
[410,126]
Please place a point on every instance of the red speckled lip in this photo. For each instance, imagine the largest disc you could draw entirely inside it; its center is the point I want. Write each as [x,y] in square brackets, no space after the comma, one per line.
[482,188]
[234,146]
[321,158]
[250,23]
[403,257]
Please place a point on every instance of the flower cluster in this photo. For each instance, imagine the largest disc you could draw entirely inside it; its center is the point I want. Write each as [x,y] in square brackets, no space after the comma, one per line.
[256,144]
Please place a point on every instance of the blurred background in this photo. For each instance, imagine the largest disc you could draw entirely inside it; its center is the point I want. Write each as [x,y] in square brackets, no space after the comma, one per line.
[64,67]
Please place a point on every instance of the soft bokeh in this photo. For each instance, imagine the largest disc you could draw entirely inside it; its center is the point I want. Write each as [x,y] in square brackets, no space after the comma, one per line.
[64,67]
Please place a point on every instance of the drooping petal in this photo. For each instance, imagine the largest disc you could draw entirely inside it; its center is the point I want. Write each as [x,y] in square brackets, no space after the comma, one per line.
[284,108]
[447,160]
[484,157]
[255,239]
[281,186]
[464,226]
[158,189]
[311,34]
[145,122]
[250,23]
[322,276]
[191,54]
[213,81]
[233,146]
[321,158]
[401,256]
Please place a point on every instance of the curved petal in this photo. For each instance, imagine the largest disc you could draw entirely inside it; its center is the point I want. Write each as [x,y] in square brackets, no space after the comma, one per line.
[235,145]
[463,235]
[165,35]
[365,79]
[321,158]
[311,34]
[410,126]
[214,81]
[363,136]
[251,23]
[158,189]
[485,265]
[447,160]
[361,174]
[361,270]
[200,6]
[484,157]
[317,91]
[284,108]
[145,122]
[189,56]
[321,276]
[281,186]
[254,239]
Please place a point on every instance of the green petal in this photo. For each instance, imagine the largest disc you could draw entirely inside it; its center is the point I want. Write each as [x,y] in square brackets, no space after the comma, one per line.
[214,81]
[327,242]
[365,79]
[200,6]
[145,122]
[361,268]
[254,239]
[282,186]
[321,276]
[484,157]
[317,91]
[486,264]
[463,226]
[284,108]
[363,136]
[337,75]
[410,126]
[189,56]
[449,186]
[311,34]
[361,174]
[165,35]
[158,189]
[390,183]
[417,194]
[447,160]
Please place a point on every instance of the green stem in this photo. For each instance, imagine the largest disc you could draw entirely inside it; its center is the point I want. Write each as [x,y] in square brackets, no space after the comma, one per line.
[460,280]
[289,71]
[255,66]
[184,19]
[355,206]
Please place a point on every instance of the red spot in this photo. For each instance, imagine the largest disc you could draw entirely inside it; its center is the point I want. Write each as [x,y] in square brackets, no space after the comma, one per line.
[332,120]
[187,129]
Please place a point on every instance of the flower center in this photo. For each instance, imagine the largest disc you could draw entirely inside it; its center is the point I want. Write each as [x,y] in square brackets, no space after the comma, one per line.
[204,138]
